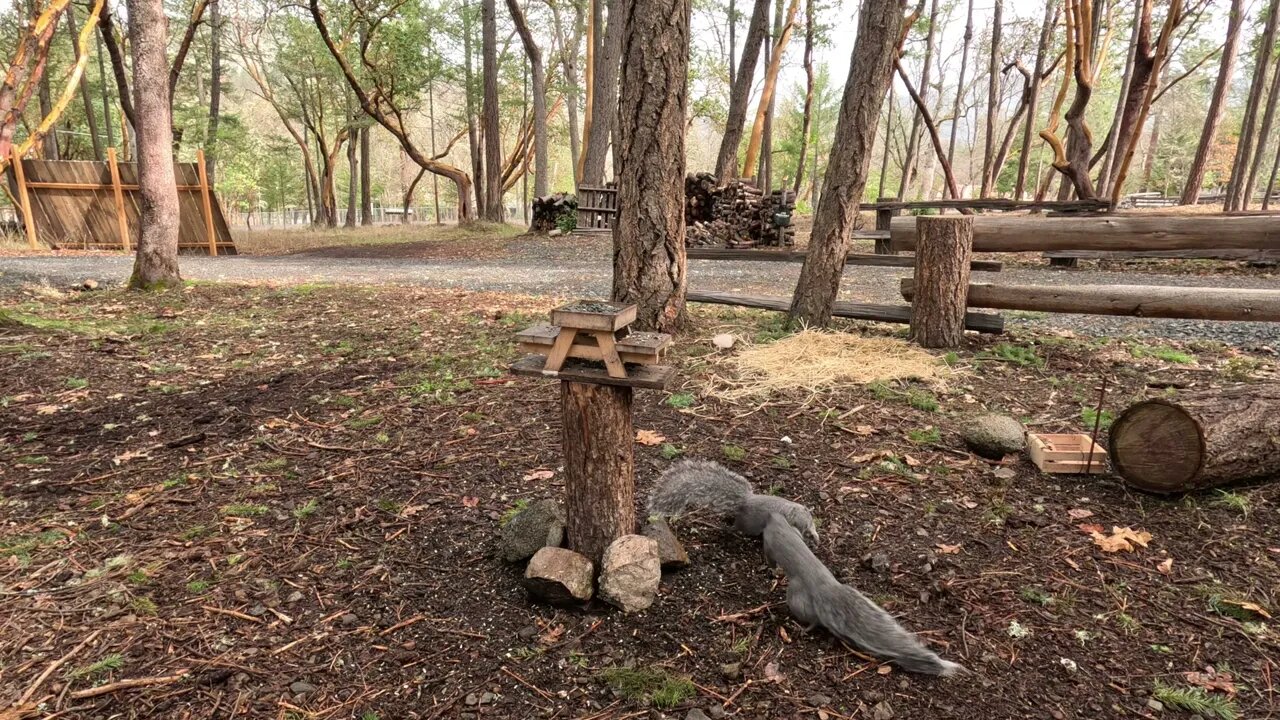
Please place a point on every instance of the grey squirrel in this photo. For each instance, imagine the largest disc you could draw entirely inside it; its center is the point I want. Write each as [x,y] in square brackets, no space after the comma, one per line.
[815,598]
[702,484]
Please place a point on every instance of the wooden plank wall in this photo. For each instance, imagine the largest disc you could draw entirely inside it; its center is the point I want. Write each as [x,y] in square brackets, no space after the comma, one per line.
[86,218]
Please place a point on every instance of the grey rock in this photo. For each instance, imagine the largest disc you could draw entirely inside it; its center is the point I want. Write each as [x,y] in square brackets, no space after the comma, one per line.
[882,711]
[295,596]
[696,714]
[671,553]
[1155,705]
[488,698]
[471,699]
[533,528]
[717,712]
[731,671]
[630,572]
[994,436]
[819,700]
[878,561]
[527,632]
[302,688]
[349,620]
[556,575]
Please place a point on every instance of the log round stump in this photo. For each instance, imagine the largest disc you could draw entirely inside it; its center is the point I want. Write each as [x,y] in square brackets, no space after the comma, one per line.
[943,253]
[599,465]
[1199,440]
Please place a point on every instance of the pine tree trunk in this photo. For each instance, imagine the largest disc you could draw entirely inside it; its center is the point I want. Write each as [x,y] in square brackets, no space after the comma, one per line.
[649,267]
[740,93]
[490,119]
[91,119]
[473,132]
[1236,199]
[1209,132]
[944,249]
[1033,104]
[888,144]
[989,170]
[1109,148]
[366,190]
[156,263]
[538,82]
[964,67]
[1264,135]
[913,140]
[599,464]
[766,93]
[353,176]
[568,60]
[215,91]
[604,96]
[879,30]
[106,95]
[806,123]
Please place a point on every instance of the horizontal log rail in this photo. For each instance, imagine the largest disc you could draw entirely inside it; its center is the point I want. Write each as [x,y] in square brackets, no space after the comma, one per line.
[1240,255]
[42,185]
[981,322]
[1004,204]
[860,259]
[1110,232]
[1148,301]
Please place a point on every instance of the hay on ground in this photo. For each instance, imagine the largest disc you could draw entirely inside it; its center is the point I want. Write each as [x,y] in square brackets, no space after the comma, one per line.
[816,361]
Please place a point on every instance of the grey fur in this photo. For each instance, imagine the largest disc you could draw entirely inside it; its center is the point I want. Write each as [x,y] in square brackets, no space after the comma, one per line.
[702,484]
[815,598]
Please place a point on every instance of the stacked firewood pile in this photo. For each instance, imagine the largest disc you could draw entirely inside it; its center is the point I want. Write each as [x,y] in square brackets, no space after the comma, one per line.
[737,214]
[553,212]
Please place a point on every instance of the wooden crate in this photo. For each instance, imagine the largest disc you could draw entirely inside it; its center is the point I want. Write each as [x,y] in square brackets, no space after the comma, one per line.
[1066,453]
[594,315]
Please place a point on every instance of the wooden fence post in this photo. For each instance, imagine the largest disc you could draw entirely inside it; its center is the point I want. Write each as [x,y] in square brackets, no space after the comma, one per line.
[944,249]
[884,218]
[599,465]
[28,219]
[122,219]
[208,205]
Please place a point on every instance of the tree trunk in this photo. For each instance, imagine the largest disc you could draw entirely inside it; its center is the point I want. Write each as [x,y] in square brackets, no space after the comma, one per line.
[353,176]
[884,157]
[1033,103]
[806,123]
[539,89]
[1147,67]
[156,263]
[964,67]
[106,96]
[215,91]
[1149,159]
[599,464]
[989,170]
[604,96]
[995,233]
[926,119]
[435,184]
[107,32]
[1264,135]
[1108,149]
[568,60]
[913,140]
[740,93]
[766,93]
[1271,184]
[48,147]
[943,255]
[1199,440]
[473,131]
[879,32]
[366,191]
[1209,132]
[91,120]
[1236,199]
[490,119]
[649,267]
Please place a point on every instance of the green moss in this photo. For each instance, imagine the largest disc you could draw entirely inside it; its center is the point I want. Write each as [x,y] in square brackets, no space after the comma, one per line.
[652,686]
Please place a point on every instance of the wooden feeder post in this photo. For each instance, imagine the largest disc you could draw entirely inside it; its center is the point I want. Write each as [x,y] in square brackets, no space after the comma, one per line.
[28,218]
[598,362]
[943,252]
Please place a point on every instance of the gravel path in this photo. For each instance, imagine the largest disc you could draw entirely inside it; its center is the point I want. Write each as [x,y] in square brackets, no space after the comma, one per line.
[582,267]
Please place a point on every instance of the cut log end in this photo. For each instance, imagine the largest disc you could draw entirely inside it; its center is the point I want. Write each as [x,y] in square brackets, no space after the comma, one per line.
[1158,447]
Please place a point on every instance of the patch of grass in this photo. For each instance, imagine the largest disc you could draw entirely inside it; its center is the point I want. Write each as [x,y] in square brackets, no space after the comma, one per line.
[364,422]
[307,509]
[924,436]
[782,462]
[951,359]
[1232,501]
[880,390]
[1128,623]
[272,466]
[1196,700]
[1026,314]
[97,669]
[1241,367]
[922,400]
[1089,416]
[1020,355]
[515,509]
[652,686]
[1162,352]
[1036,596]
[196,587]
[670,452]
[194,532]
[736,453]
[77,383]
[244,510]
[138,577]
[20,547]
[390,506]
[33,459]
[681,400]
[144,605]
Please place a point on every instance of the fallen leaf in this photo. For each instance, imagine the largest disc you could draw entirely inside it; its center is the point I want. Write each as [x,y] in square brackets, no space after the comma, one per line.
[1247,606]
[1079,514]
[552,635]
[1004,473]
[1211,680]
[864,430]
[772,674]
[47,409]
[782,633]
[1166,566]
[649,437]
[1121,539]
[1090,528]
[910,461]
[411,510]
[868,457]
[946,549]
[539,475]
[469,501]
[128,455]
[884,669]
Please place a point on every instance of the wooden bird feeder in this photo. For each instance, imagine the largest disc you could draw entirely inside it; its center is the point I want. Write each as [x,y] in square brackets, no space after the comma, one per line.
[598,360]
[1066,454]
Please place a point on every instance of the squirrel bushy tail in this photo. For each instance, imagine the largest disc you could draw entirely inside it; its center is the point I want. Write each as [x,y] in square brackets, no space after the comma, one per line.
[815,598]
[705,485]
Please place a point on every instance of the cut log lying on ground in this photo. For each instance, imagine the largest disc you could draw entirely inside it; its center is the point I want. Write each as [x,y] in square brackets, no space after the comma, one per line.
[868,259]
[1150,301]
[1110,232]
[1259,256]
[1199,440]
[981,322]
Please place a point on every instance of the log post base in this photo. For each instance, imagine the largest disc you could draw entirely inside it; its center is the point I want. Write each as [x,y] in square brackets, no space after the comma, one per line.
[599,465]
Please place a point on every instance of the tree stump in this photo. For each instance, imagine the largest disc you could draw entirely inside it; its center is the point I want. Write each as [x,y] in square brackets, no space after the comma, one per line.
[598,465]
[1199,440]
[943,253]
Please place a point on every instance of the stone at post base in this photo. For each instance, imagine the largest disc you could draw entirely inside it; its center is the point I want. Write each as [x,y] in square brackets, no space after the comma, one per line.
[630,572]
[533,528]
[994,436]
[670,551]
[559,576]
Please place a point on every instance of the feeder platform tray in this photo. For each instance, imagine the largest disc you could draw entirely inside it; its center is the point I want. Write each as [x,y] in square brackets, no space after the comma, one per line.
[1066,454]
[654,377]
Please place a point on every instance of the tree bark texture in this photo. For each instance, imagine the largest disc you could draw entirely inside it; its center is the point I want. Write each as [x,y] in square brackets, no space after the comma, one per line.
[649,266]
[1199,440]
[215,91]
[1110,232]
[538,83]
[1236,199]
[366,190]
[1217,102]
[941,280]
[604,95]
[989,170]
[806,120]
[91,119]
[871,68]
[1033,103]
[740,93]
[156,262]
[964,68]
[913,140]
[489,119]
[766,94]
[1264,135]
[599,465]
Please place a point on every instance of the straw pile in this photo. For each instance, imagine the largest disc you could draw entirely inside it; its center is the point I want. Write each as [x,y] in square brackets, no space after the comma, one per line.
[816,361]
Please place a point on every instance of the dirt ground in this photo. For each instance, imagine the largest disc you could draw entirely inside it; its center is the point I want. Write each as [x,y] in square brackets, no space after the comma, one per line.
[283,502]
